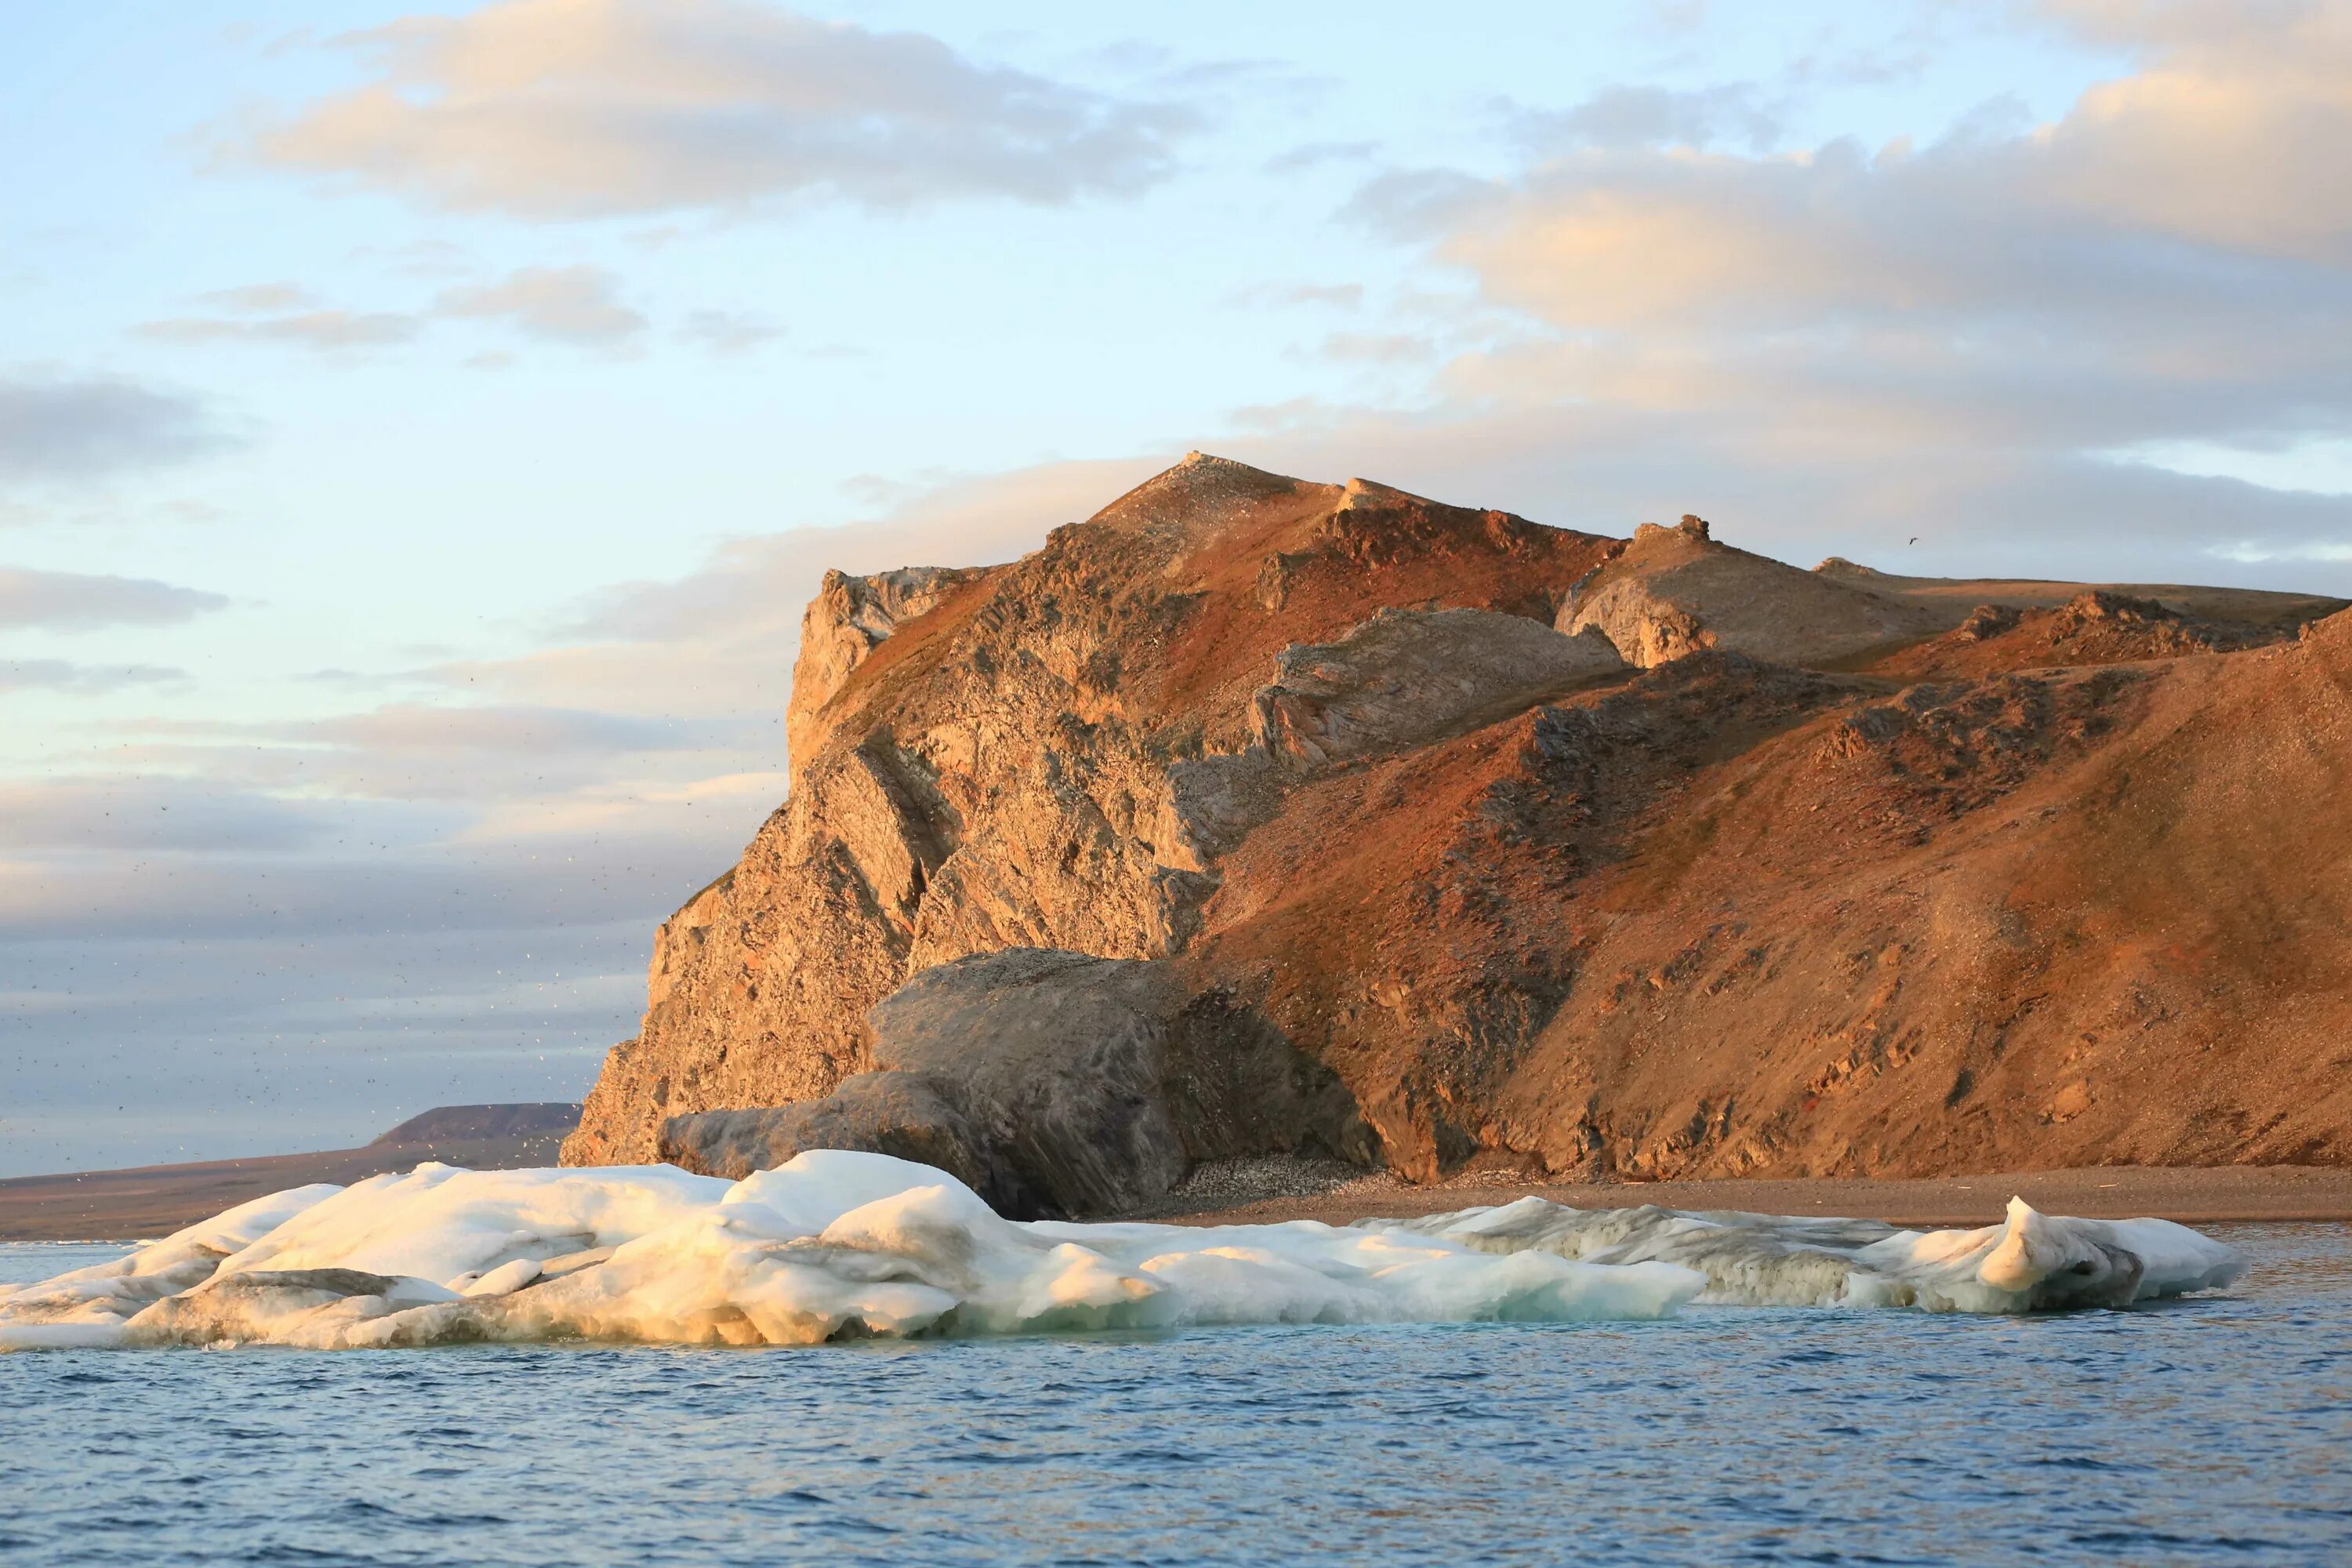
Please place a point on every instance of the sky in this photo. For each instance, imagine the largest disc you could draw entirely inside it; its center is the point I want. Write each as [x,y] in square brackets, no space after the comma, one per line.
[420,429]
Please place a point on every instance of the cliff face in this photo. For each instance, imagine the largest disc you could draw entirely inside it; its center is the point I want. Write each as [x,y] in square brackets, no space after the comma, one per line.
[1051,754]
[1759,870]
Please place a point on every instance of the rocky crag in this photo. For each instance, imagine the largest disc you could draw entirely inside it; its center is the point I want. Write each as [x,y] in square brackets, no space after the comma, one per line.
[1257,817]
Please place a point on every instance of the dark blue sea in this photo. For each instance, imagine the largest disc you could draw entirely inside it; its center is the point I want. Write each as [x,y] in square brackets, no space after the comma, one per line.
[2212,1430]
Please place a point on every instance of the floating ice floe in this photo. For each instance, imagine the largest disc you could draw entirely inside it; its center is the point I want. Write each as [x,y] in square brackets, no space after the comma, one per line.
[2030,1262]
[838,1245]
[833,1244]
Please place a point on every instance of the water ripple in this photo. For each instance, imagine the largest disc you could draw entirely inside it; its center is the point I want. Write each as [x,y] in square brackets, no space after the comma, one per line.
[2203,1431]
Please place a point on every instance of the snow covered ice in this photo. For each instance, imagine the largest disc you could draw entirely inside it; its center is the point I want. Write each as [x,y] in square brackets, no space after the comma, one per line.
[839,1245]
[832,1245]
[2030,1262]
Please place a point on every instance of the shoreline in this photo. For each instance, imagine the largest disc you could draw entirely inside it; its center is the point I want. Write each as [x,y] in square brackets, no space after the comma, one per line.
[110,1205]
[2190,1195]
[147,1201]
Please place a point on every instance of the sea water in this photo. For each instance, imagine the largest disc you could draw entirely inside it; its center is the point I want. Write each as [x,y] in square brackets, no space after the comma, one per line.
[2214,1428]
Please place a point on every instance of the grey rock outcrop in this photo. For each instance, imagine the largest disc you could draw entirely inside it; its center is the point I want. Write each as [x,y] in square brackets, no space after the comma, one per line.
[1676,591]
[904,1114]
[1053,1084]
[1406,678]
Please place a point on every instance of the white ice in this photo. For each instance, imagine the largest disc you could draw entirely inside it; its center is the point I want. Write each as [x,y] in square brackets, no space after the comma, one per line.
[2029,1262]
[838,1245]
[830,1246]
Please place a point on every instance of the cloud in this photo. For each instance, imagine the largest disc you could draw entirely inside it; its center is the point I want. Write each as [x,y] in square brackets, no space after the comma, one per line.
[1949,338]
[73,601]
[1329,296]
[153,814]
[727,332]
[477,754]
[85,427]
[322,330]
[1804,481]
[1642,116]
[757,585]
[427,730]
[2236,132]
[1378,348]
[584,108]
[72,680]
[573,305]
[257,298]
[714,649]
[1314,154]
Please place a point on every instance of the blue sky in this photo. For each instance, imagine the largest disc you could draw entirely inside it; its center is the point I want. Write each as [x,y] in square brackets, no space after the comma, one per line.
[419,429]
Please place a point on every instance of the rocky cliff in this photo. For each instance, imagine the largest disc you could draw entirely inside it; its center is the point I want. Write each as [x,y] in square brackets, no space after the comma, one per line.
[1253,815]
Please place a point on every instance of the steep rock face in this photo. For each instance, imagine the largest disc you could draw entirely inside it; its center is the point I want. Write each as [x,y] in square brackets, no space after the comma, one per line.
[847,620]
[1049,757]
[1855,878]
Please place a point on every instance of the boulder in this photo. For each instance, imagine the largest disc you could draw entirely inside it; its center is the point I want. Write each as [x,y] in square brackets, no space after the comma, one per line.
[909,1115]
[1052,1083]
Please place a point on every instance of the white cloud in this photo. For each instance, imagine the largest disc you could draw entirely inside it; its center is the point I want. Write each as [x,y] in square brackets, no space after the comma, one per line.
[578,305]
[1847,345]
[573,109]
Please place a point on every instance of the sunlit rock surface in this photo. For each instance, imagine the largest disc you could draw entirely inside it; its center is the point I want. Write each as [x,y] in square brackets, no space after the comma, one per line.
[1761,872]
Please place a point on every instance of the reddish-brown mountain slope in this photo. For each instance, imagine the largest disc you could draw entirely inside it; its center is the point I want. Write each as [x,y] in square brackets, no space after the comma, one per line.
[2056,883]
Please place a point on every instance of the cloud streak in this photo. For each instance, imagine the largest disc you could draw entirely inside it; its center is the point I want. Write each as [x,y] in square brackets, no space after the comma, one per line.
[322,330]
[93,427]
[78,602]
[575,305]
[71,680]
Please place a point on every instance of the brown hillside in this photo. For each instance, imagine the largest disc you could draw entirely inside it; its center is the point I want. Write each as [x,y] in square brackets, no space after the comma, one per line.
[2060,882]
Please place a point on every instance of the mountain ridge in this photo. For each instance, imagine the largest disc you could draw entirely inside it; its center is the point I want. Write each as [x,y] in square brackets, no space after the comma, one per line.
[1561,855]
